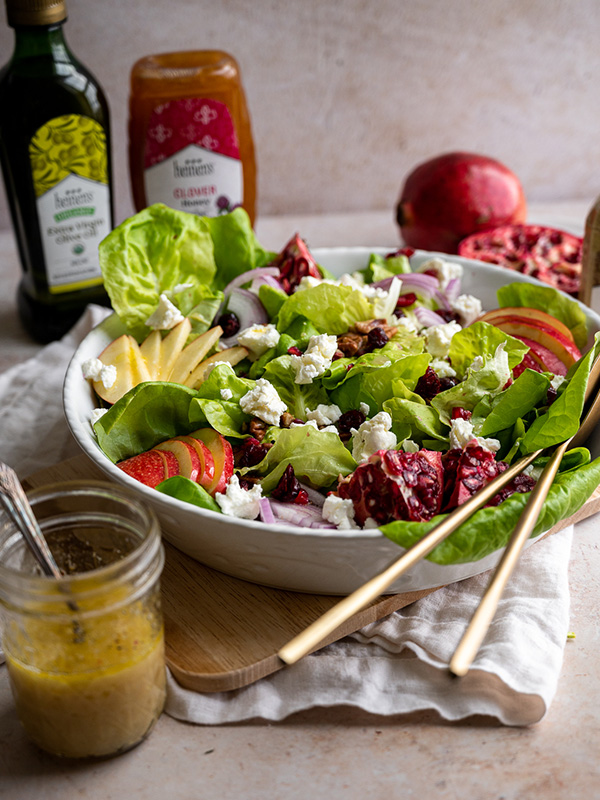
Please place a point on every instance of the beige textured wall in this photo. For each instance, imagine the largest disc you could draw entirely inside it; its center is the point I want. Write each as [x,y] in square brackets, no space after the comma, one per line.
[347,96]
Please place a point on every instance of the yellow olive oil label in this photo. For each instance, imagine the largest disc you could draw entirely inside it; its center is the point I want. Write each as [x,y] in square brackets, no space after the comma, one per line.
[70,175]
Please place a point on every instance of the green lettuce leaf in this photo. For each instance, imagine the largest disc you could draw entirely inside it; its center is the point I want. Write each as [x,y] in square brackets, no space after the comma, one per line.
[331,309]
[562,418]
[236,248]
[529,389]
[150,253]
[415,420]
[188,491]
[209,407]
[315,456]
[146,415]
[482,339]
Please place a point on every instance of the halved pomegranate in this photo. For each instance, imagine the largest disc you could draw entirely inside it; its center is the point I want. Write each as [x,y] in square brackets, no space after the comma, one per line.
[295,262]
[548,254]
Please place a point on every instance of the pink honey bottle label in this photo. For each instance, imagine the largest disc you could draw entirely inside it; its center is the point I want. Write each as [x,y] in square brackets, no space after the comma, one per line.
[192,158]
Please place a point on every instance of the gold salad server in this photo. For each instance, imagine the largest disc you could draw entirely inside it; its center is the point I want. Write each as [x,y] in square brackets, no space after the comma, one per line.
[310,638]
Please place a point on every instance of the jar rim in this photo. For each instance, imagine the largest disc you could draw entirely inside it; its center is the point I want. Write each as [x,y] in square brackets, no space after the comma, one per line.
[128,567]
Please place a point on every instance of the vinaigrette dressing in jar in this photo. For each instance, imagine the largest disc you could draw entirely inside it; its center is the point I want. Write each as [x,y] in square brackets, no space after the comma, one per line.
[190,141]
[85,654]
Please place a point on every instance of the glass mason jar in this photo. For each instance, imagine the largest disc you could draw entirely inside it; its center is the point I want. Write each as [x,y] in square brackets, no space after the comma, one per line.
[85,654]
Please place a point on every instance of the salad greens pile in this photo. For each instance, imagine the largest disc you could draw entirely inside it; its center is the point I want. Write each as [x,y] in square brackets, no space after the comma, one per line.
[193,259]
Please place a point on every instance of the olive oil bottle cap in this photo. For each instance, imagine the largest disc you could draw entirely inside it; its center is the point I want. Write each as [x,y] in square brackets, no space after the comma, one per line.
[35,12]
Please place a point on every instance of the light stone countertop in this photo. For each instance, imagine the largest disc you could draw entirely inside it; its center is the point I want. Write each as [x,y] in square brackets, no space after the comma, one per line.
[340,752]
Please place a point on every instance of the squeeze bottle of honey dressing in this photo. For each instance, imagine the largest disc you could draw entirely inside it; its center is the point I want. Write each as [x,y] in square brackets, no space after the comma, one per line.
[190,140]
[55,155]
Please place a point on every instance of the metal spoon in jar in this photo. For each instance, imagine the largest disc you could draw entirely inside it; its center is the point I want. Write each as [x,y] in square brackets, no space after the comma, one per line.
[17,506]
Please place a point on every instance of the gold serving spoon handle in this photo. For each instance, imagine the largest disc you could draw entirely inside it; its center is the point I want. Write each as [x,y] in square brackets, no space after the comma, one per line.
[480,622]
[312,636]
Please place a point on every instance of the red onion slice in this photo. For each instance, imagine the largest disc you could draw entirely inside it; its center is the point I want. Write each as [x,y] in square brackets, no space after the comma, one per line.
[248,309]
[266,512]
[428,317]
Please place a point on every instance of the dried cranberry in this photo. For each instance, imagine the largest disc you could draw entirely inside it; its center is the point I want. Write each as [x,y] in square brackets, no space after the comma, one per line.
[405,300]
[377,338]
[461,413]
[447,383]
[428,385]
[250,453]
[245,484]
[288,490]
[350,419]
[230,324]
[447,315]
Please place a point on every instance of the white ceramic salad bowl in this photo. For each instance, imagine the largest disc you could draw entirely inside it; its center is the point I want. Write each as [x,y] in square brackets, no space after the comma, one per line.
[322,561]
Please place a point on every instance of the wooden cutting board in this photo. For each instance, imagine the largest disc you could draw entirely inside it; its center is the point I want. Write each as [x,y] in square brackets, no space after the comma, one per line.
[223,633]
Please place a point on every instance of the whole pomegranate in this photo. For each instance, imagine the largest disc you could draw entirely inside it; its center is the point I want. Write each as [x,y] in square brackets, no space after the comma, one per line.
[454,195]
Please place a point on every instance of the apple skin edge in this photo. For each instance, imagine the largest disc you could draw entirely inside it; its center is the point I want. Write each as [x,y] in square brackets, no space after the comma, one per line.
[205,456]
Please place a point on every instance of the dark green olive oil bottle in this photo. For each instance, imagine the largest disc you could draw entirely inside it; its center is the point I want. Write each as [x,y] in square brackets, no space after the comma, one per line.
[55,156]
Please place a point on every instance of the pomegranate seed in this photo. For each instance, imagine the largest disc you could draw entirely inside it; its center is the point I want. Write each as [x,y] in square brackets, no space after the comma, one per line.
[461,413]
[406,300]
[294,351]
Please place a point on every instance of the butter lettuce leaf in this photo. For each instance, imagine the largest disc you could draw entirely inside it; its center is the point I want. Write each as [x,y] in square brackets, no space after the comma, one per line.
[146,415]
[299,398]
[482,339]
[529,389]
[331,309]
[316,457]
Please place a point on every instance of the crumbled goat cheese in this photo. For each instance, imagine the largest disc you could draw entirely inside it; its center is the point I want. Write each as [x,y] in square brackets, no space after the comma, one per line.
[339,511]
[316,359]
[226,394]
[557,381]
[445,270]
[258,339]
[364,409]
[407,322]
[468,308]
[373,435]
[324,414]
[237,502]
[166,315]
[438,338]
[308,282]
[96,414]
[442,368]
[312,423]
[263,402]
[461,433]
[93,369]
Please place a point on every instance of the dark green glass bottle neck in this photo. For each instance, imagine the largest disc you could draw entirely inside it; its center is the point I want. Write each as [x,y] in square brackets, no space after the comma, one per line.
[40,40]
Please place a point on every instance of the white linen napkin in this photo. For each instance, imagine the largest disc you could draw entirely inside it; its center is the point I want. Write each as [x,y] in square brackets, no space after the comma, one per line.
[394,666]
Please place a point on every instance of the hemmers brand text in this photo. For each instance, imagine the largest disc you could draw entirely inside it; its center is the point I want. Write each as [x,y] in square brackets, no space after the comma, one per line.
[192,169]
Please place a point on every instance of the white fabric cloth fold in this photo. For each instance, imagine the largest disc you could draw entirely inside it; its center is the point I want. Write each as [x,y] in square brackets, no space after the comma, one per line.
[394,666]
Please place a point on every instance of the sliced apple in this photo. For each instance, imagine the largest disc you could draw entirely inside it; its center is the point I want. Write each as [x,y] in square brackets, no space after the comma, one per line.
[150,349]
[207,462]
[232,355]
[172,345]
[564,349]
[151,467]
[189,358]
[529,314]
[222,454]
[186,455]
[124,354]
[544,357]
